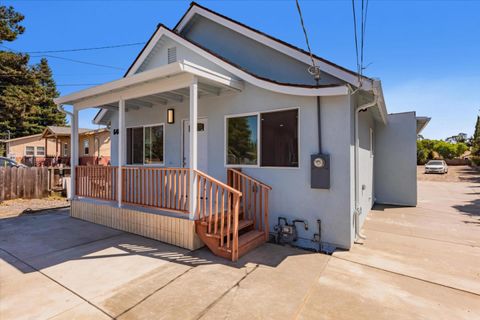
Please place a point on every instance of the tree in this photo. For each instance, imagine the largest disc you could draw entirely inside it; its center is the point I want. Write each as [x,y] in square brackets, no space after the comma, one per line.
[26,92]
[476,138]
[10,26]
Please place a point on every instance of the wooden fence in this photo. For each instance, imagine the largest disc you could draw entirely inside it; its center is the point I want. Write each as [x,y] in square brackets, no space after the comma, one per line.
[27,183]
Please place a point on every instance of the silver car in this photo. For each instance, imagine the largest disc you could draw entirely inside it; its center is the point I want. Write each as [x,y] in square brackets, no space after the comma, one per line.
[436,166]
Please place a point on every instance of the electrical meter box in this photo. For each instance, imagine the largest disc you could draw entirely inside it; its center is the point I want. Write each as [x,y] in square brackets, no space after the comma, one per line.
[320,171]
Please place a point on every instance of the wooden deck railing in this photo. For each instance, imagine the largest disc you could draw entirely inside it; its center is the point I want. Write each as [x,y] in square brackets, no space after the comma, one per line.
[219,205]
[98,182]
[254,201]
[164,188]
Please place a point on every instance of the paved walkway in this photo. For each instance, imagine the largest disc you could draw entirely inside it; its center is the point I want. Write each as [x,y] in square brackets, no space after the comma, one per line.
[417,263]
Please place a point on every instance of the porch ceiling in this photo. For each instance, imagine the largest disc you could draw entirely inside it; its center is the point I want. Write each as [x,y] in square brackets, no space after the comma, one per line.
[161,85]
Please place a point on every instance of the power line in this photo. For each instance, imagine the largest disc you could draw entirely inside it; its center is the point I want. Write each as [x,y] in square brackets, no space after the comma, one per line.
[89,49]
[313,70]
[79,61]
[359,49]
[67,59]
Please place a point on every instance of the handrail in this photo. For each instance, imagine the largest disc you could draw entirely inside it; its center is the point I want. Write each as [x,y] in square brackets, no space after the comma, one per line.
[250,178]
[156,187]
[99,182]
[220,183]
[254,202]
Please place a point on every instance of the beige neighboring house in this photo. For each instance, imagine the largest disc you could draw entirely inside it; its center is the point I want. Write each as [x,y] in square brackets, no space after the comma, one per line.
[52,147]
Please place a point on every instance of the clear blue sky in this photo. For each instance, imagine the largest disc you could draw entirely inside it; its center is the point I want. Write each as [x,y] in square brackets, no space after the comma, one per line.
[427,53]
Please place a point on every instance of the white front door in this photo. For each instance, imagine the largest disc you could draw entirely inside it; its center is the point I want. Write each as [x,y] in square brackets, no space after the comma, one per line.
[202,144]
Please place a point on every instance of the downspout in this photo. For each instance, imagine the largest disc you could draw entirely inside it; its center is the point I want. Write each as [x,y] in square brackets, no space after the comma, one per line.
[358,209]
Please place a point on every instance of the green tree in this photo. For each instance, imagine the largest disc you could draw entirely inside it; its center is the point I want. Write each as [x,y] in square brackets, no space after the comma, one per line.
[476,138]
[26,92]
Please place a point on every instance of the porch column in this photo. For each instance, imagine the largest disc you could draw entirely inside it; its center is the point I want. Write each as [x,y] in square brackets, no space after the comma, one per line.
[193,146]
[121,148]
[73,152]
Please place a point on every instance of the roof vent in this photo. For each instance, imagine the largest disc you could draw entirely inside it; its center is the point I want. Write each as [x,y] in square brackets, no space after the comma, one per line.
[172,55]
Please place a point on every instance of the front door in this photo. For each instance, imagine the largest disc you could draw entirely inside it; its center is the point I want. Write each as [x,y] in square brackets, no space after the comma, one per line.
[202,144]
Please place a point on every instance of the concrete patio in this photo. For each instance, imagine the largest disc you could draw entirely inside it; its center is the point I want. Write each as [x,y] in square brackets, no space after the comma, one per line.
[417,263]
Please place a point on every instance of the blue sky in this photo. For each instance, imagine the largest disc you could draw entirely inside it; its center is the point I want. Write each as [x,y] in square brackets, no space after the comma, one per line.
[427,53]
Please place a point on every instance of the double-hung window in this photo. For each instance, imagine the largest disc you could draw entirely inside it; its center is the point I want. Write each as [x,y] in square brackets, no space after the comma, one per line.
[29,150]
[41,151]
[268,139]
[86,147]
[145,145]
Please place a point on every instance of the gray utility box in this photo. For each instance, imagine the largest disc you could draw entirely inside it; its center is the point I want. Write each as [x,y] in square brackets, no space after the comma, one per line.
[320,171]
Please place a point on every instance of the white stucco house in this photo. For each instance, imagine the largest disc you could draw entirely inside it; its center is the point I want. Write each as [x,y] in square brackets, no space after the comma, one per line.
[217,130]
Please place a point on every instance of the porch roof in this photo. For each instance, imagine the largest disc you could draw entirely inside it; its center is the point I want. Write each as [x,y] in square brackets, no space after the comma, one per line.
[171,78]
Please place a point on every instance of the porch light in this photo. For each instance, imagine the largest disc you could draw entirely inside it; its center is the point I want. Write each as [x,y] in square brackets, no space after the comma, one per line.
[170,116]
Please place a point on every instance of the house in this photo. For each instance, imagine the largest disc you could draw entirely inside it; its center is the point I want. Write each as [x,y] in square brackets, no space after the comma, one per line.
[218,130]
[52,147]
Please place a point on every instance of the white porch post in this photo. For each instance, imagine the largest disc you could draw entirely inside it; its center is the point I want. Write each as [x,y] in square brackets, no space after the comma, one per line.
[193,146]
[73,152]
[121,148]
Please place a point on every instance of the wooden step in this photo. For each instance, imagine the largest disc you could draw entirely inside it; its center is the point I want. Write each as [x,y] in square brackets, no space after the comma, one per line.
[248,241]
[206,221]
[242,224]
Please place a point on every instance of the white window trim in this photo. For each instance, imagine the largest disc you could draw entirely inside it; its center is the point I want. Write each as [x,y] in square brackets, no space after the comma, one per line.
[88,146]
[40,155]
[161,164]
[25,151]
[65,149]
[259,160]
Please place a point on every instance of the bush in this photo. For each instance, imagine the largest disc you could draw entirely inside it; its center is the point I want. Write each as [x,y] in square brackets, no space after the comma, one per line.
[475,160]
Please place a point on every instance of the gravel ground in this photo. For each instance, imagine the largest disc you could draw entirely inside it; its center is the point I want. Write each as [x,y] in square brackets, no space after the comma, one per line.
[12,208]
[455,174]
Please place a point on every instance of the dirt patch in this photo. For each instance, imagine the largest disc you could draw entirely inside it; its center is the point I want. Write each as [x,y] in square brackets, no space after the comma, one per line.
[12,208]
[455,174]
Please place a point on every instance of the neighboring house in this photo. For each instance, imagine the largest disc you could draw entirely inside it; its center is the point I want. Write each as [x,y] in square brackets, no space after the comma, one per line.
[218,130]
[52,147]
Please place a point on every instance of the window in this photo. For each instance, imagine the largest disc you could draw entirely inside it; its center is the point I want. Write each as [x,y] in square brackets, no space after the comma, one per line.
[242,140]
[153,141]
[279,139]
[145,145]
[40,151]
[276,137]
[86,147]
[29,151]
[65,149]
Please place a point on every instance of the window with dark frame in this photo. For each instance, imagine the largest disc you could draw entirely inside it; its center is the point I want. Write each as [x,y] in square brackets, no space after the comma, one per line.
[145,145]
[277,137]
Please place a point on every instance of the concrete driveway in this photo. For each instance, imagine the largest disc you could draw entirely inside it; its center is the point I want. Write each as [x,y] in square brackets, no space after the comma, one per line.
[417,263]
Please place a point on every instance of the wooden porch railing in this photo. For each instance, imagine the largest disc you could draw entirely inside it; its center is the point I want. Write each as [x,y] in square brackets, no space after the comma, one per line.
[219,206]
[254,201]
[165,188]
[98,182]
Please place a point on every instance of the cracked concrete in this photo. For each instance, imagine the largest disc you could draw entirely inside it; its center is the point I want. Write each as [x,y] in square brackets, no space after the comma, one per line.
[417,263]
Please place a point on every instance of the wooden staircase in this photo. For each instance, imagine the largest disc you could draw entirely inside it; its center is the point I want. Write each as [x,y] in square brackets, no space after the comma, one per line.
[233,218]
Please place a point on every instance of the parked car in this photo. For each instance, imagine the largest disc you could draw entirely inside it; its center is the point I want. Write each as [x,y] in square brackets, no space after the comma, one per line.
[436,166]
[9,163]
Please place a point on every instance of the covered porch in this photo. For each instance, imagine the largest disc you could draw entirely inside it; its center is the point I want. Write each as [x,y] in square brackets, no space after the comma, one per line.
[184,191]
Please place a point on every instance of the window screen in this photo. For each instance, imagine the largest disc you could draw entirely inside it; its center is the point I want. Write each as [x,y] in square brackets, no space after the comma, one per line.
[279,139]
[242,140]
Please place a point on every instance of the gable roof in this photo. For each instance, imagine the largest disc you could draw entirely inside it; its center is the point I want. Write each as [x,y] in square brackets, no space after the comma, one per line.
[335,70]
[20,138]
[62,131]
